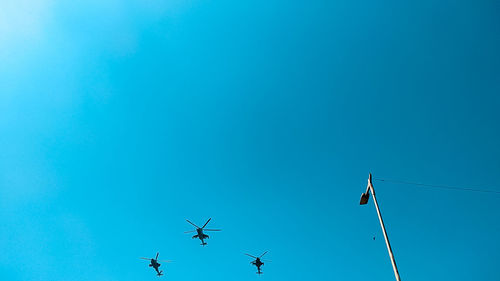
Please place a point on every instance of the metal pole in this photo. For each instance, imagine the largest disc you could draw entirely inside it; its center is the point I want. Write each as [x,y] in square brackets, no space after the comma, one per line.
[389,249]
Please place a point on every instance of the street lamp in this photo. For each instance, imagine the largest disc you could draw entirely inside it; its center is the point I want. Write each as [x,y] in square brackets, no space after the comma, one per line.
[363,201]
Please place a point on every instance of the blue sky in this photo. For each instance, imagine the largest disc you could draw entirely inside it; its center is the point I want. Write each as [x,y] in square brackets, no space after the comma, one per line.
[119,120]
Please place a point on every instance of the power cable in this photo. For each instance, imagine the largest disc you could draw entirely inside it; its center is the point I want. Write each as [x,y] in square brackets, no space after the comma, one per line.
[439,186]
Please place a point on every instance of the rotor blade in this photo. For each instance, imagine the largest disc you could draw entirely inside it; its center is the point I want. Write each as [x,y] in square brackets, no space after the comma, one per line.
[250,256]
[165,261]
[266,260]
[193,224]
[190,231]
[212,229]
[145,259]
[263,254]
[157,256]
[206,223]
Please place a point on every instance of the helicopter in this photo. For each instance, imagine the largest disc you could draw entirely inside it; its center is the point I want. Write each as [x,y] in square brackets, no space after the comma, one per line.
[154,263]
[200,235]
[258,262]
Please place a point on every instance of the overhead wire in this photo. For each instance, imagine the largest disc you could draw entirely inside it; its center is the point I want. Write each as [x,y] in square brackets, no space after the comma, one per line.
[449,187]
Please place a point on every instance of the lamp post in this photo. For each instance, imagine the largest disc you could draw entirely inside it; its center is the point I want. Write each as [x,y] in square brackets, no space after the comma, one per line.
[364,199]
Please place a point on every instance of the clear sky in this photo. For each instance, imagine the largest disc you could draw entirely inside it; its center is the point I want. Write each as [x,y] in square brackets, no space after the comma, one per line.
[120,119]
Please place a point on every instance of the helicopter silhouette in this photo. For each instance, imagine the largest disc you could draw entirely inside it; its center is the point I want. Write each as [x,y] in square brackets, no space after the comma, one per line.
[258,262]
[154,264]
[200,235]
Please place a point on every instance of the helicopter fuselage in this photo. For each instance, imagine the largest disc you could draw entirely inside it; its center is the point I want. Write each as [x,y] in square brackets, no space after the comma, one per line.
[154,263]
[200,235]
[258,263]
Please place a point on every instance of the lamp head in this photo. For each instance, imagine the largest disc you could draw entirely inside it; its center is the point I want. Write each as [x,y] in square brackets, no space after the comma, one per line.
[364,198]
